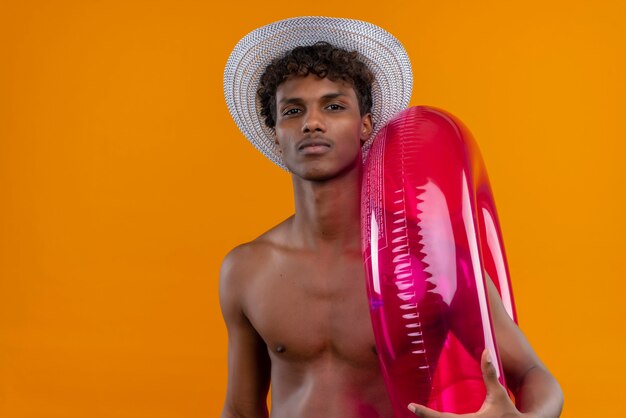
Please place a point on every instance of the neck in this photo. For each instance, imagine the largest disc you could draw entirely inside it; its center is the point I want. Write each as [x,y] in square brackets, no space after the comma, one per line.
[328,213]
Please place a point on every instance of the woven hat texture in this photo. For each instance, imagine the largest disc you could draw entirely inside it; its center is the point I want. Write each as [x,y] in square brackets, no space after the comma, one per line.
[378,49]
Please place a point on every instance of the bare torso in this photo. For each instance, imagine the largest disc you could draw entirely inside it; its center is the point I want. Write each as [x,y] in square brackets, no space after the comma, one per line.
[310,309]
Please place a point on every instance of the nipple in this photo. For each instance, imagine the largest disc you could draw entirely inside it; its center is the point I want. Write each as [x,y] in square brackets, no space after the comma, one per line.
[280,349]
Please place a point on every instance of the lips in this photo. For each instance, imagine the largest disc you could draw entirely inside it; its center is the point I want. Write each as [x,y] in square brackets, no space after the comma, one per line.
[313,144]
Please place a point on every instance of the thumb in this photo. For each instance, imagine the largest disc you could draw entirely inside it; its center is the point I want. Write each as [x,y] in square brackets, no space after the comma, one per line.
[490,374]
[424,412]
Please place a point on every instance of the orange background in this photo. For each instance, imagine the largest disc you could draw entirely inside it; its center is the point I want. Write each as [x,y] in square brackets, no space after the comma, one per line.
[124,181]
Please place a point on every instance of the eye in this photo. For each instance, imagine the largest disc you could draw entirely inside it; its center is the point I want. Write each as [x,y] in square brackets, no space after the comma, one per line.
[291,111]
[334,106]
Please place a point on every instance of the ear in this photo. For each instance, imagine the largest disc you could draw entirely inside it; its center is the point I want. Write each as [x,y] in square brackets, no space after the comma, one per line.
[275,138]
[366,127]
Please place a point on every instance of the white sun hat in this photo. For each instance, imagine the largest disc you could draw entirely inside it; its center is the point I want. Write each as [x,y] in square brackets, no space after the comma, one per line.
[380,51]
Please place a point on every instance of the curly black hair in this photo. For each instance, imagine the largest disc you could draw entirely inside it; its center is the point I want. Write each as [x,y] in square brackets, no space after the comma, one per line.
[323,60]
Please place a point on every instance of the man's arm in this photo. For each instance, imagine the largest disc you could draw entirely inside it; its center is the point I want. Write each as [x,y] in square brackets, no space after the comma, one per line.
[248,360]
[537,393]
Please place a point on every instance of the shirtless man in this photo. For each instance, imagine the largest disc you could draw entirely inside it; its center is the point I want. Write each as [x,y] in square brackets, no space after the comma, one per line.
[294,299]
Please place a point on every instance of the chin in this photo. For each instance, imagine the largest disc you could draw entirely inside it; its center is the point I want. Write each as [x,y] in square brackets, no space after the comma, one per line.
[317,175]
[322,172]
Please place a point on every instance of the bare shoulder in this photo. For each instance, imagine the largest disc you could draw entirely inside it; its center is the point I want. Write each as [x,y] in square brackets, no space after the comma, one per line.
[241,266]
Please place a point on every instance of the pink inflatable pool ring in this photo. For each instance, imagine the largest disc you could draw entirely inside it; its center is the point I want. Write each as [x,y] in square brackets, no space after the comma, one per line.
[430,239]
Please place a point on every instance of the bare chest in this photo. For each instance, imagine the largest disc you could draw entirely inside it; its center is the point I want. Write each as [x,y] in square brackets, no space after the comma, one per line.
[306,308]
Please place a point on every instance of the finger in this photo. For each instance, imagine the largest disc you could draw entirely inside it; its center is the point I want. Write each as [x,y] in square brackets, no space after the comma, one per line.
[424,412]
[490,374]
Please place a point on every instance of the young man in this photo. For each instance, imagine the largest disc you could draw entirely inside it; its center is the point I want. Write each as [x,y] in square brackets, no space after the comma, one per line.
[294,299]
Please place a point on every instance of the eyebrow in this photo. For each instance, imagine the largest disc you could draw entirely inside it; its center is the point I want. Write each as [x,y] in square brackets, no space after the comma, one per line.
[328,96]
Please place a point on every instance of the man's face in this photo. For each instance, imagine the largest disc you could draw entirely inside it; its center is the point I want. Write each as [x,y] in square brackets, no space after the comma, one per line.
[319,128]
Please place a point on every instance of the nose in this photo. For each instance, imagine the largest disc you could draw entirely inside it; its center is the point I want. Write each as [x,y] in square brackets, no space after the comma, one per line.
[313,122]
